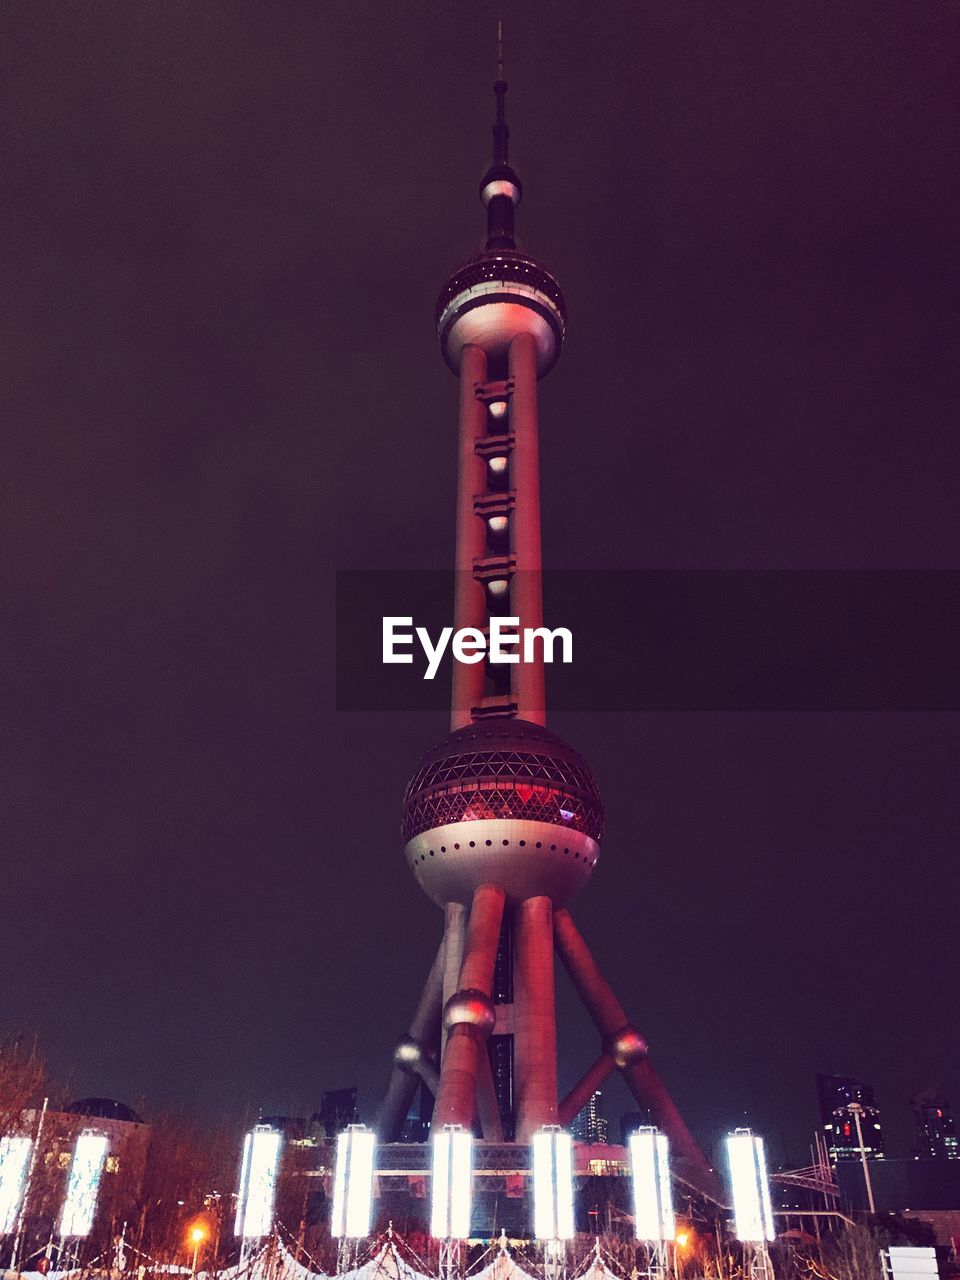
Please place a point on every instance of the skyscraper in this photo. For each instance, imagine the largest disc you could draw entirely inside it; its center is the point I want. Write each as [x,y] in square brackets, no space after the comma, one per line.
[837,1094]
[591,1124]
[936,1132]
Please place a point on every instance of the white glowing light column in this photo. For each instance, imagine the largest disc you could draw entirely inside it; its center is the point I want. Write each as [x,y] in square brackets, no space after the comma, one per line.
[258,1183]
[652,1192]
[353,1183]
[14,1161]
[753,1213]
[452,1190]
[86,1168]
[552,1184]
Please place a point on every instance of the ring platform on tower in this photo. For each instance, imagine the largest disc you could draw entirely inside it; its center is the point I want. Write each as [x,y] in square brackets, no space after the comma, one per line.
[493,298]
[503,802]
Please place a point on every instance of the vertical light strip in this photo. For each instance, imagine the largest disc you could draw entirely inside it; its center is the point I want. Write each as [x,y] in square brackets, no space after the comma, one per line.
[668,1222]
[243,1186]
[749,1183]
[563,1164]
[258,1183]
[452,1190]
[89,1154]
[14,1160]
[353,1183]
[544,1217]
[440,1208]
[552,1184]
[652,1192]
[461,1184]
[764,1180]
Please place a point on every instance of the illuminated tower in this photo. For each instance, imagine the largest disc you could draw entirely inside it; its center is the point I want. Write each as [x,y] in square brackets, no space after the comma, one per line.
[502,820]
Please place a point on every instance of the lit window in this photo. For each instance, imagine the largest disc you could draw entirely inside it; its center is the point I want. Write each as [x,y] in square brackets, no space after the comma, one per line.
[112,1164]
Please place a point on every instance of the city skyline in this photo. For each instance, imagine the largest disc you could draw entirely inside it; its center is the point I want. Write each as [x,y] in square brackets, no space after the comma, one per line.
[221,387]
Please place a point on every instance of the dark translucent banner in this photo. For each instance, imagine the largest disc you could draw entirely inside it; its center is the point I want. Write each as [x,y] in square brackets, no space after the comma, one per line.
[680,641]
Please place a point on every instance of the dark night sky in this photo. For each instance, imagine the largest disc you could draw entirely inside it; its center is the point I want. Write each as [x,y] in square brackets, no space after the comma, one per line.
[224,225]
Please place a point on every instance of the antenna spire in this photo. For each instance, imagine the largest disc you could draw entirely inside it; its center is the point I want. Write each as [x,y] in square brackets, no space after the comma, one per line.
[500,189]
[501,134]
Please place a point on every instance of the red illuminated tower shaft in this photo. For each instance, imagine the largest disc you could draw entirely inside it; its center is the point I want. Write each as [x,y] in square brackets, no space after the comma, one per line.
[498,557]
[502,820]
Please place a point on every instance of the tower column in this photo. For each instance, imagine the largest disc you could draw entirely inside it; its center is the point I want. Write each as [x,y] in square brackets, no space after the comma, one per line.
[535,1035]
[527,598]
[469,1013]
[470,609]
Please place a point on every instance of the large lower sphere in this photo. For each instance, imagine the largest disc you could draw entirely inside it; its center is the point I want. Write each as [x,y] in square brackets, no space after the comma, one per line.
[502,802]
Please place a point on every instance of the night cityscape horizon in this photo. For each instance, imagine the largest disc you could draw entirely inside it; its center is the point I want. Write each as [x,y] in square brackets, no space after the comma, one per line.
[224,388]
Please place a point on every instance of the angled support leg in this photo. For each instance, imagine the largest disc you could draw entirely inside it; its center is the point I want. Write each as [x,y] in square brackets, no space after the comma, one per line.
[624,1044]
[584,1089]
[469,1013]
[454,938]
[412,1060]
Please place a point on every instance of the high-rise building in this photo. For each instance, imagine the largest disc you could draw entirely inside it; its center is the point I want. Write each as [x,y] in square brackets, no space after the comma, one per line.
[840,1097]
[630,1122]
[936,1132]
[591,1124]
[502,820]
[338,1108]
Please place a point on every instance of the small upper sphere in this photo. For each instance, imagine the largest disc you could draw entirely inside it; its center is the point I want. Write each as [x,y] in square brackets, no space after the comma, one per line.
[502,802]
[493,298]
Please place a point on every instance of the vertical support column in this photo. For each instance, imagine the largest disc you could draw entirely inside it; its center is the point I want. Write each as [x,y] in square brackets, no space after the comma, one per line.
[535,1036]
[527,597]
[469,1012]
[470,606]
[454,933]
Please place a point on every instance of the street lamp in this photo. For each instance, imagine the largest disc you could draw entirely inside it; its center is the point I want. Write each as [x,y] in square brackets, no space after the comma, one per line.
[856,1110]
[196,1235]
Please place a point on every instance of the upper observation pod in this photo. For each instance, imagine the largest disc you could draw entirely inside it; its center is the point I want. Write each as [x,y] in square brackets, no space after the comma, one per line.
[501,293]
[502,802]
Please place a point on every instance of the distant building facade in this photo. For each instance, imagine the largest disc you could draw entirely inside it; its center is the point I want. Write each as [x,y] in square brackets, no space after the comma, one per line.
[630,1122]
[936,1132]
[338,1108]
[837,1094]
[591,1124]
[118,1177]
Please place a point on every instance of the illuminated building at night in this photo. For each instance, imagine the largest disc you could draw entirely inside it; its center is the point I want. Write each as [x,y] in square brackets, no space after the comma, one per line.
[838,1094]
[936,1132]
[502,820]
[591,1124]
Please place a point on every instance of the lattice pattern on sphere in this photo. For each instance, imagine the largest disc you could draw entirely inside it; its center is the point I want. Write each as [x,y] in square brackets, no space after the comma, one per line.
[505,799]
[520,765]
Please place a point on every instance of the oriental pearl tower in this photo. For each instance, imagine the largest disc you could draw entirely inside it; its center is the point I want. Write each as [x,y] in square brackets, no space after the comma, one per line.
[502,820]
